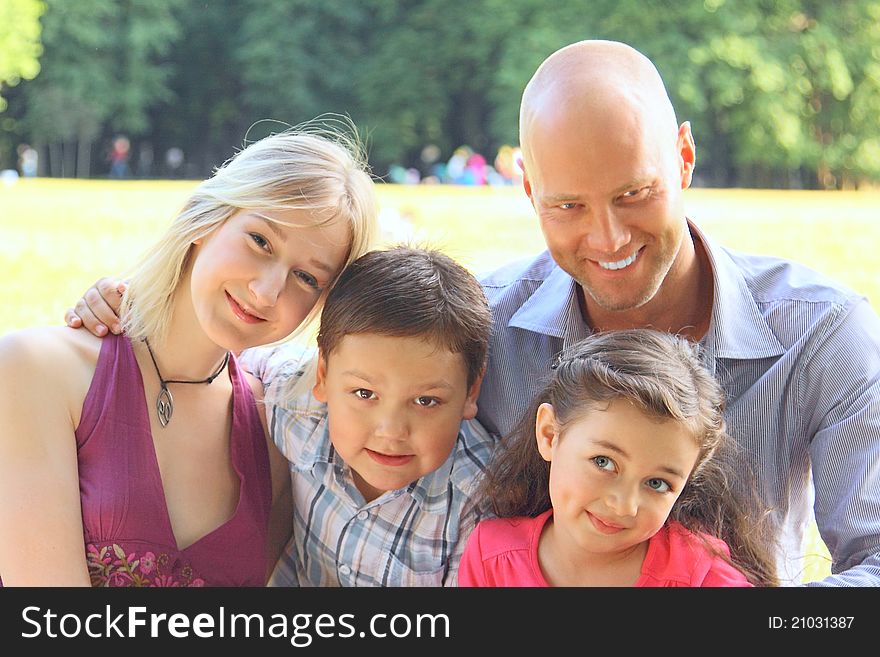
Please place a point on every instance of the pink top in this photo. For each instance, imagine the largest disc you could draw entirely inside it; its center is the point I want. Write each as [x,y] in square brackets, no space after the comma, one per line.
[128,536]
[504,552]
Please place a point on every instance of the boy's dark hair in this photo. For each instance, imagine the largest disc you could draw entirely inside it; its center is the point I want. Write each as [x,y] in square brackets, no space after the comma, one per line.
[406,292]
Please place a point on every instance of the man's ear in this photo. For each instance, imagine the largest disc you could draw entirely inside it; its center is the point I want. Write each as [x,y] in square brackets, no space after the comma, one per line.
[546,431]
[687,153]
[527,184]
[319,390]
[470,402]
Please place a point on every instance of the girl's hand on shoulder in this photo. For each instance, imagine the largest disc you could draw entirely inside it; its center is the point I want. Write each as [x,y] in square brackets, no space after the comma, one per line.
[98,308]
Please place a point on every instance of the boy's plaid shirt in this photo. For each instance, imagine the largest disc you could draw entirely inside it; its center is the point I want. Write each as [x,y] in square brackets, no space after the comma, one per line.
[408,537]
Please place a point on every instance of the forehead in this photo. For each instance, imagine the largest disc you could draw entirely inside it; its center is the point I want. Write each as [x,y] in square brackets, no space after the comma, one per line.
[648,441]
[583,150]
[301,227]
[410,358]
[295,220]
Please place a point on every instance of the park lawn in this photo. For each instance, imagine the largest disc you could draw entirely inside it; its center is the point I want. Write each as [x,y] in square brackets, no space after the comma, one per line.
[59,236]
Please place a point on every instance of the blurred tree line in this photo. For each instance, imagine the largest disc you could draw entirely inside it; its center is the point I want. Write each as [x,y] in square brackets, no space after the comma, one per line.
[780,93]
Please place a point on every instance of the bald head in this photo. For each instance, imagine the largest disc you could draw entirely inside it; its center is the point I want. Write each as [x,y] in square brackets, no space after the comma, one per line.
[596,81]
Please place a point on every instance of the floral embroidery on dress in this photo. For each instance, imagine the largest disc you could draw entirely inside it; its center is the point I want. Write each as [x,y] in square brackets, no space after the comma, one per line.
[111,566]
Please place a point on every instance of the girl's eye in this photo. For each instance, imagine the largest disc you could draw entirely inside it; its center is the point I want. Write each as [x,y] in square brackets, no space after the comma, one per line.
[427,402]
[363,393]
[658,485]
[260,241]
[308,279]
[603,463]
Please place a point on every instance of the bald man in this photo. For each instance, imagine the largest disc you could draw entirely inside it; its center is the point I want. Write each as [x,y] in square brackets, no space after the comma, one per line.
[605,166]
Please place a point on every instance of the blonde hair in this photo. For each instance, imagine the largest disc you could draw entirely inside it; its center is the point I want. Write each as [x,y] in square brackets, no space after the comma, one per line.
[313,166]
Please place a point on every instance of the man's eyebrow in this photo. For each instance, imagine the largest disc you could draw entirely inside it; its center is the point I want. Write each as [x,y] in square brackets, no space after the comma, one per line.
[559,198]
[635,183]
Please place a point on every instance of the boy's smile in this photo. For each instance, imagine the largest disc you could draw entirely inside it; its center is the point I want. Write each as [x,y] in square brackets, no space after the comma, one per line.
[394,407]
[389,459]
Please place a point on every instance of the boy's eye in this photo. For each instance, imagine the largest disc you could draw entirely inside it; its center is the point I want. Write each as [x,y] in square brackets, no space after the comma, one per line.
[308,279]
[427,402]
[604,463]
[568,206]
[363,393]
[658,485]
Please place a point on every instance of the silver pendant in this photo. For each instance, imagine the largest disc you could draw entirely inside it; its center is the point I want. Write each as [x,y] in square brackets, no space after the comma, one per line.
[165,406]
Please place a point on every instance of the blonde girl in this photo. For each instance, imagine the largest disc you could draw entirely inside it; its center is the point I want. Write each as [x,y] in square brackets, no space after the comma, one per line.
[142,459]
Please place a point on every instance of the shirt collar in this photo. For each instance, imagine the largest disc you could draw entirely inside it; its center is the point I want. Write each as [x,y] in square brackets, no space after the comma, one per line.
[553,309]
[737,327]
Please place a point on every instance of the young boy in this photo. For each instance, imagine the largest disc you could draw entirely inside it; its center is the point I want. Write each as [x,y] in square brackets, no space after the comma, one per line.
[378,425]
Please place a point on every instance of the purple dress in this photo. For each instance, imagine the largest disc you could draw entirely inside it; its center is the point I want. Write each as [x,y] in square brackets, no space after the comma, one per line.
[127,530]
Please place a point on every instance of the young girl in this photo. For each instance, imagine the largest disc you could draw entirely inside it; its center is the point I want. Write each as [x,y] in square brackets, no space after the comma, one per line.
[142,459]
[615,477]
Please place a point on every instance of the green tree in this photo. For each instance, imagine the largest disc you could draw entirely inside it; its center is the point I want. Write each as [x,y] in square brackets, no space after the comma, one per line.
[204,117]
[537,28]
[779,93]
[775,90]
[430,74]
[101,68]
[20,46]
[298,59]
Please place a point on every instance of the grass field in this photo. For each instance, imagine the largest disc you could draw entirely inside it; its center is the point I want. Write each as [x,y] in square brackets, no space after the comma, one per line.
[59,236]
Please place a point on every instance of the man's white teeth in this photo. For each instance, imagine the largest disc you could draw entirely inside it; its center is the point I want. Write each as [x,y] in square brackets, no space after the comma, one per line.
[620,264]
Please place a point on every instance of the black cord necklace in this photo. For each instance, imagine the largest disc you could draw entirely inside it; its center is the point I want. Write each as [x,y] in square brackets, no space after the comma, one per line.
[165,402]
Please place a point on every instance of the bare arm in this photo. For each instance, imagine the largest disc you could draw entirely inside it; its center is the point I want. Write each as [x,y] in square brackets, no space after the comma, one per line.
[98,308]
[281,516]
[41,533]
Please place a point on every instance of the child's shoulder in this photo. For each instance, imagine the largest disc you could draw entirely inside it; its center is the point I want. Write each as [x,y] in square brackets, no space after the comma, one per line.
[682,557]
[680,538]
[471,454]
[476,440]
[498,535]
[278,364]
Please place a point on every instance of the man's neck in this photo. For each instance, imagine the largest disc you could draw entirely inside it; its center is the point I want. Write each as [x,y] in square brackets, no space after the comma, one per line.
[682,305]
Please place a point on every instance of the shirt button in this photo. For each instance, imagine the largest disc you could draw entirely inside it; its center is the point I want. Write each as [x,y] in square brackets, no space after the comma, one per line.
[363,515]
[344,570]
